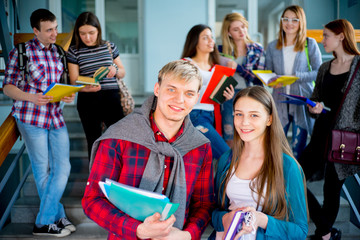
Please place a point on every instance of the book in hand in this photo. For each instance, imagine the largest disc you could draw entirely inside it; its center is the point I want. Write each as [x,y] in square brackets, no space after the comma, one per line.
[59,90]
[300,100]
[217,94]
[271,79]
[219,72]
[136,202]
[95,80]
[236,225]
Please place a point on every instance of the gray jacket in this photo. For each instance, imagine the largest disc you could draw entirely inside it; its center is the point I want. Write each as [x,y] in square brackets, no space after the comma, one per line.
[303,86]
[349,116]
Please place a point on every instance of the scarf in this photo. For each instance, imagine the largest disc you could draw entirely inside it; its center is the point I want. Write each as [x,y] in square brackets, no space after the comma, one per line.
[136,128]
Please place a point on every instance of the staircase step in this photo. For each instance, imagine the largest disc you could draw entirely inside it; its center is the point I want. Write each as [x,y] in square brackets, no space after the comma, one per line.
[74,188]
[77,142]
[26,208]
[74,125]
[84,231]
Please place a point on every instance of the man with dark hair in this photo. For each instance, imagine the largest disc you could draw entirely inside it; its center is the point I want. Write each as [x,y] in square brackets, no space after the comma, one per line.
[41,122]
[156,148]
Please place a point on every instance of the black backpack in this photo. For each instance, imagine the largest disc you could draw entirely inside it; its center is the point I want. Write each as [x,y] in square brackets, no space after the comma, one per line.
[23,59]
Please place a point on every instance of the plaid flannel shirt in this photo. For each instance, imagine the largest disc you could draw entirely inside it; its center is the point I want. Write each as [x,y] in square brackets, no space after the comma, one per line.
[125,161]
[45,68]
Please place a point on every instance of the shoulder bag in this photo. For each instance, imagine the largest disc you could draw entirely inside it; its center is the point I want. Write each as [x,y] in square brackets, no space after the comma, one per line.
[127,101]
[345,146]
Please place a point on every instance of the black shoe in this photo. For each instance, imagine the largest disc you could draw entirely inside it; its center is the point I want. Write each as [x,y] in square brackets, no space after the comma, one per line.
[51,230]
[65,223]
[335,234]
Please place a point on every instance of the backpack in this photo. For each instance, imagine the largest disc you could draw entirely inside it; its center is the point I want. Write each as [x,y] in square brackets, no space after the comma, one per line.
[24,68]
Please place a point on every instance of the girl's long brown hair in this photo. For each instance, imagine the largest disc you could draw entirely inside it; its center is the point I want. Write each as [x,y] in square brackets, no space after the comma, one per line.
[192,40]
[349,42]
[229,47]
[301,35]
[270,178]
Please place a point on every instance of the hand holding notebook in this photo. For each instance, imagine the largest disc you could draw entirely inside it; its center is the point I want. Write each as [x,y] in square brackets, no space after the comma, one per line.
[136,202]
[300,100]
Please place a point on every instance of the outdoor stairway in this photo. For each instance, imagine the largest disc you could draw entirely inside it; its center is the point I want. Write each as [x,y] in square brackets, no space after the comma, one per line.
[25,209]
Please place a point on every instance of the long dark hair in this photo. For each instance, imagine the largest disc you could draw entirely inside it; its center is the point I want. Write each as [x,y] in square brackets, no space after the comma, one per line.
[192,40]
[86,18]
[349,42]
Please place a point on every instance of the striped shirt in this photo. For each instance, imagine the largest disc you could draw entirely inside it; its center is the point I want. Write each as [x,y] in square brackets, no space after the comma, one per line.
[91,59]
[45,68]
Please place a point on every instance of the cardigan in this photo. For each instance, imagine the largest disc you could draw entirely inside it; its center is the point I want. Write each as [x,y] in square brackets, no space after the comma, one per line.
[295,228]
[274,61]
[349,116]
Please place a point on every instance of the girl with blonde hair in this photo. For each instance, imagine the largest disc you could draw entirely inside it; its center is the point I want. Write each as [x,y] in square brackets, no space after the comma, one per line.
[287,56]
[247,54]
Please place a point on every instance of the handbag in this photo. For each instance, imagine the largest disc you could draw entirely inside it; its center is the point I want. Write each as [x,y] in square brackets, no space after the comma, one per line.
[126,100]
[345,146]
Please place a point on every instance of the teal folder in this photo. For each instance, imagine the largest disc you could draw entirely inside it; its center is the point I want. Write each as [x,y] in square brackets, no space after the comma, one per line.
[136,202]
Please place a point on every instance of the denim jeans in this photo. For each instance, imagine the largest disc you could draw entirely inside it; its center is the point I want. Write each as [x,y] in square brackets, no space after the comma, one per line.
[48,151]
[299,137]
[204,122]
[227,115]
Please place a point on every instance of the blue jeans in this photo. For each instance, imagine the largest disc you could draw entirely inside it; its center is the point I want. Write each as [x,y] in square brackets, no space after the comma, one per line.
[227,114]
[204,122]
[299,137]
[48,151]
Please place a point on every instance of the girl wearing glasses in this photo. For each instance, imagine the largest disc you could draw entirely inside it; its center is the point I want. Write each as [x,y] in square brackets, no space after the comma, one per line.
[287,56]
[248,56]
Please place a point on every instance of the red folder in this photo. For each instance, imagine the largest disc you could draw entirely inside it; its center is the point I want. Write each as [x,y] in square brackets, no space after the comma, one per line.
[219,72]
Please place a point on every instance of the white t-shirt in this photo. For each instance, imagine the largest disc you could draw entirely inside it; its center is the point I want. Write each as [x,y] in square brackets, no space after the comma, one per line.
[241,81]
[240,195]
[289,59]
[206,76]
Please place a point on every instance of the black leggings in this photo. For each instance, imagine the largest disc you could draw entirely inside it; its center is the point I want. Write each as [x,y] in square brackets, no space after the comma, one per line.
[97,108]
[324,216]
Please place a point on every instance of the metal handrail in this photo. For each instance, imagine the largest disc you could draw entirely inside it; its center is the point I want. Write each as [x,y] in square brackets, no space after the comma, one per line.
[19,187]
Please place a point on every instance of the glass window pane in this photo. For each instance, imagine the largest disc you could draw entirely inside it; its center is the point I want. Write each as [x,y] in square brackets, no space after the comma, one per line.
[121,20]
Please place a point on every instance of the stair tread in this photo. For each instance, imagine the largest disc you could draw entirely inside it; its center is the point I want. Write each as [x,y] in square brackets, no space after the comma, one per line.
[29,201]
[84,231]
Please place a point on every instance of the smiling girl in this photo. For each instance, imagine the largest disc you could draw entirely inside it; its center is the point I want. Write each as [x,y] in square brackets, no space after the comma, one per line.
[287,56]
[260,175]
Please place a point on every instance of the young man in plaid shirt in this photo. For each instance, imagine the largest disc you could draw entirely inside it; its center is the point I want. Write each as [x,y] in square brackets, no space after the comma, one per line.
[41,123]
[156,148]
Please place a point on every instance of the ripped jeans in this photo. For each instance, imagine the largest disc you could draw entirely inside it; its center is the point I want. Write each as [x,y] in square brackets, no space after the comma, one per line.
[299,137]
[204,122]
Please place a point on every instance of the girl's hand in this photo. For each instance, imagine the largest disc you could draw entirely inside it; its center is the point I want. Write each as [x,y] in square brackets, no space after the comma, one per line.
[279,85]
[91,88]
[231,64]
[317,109]
[229,93]
[259,219]
[112,72]
[226,220]
[68,99]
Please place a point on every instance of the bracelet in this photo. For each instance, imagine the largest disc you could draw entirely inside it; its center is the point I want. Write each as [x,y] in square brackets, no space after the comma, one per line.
[116,67]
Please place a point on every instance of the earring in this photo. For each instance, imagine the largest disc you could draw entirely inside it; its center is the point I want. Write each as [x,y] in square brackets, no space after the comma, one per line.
[230,35]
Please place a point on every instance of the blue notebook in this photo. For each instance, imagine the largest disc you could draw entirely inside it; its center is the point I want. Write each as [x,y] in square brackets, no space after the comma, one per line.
[136,202]
[300,100]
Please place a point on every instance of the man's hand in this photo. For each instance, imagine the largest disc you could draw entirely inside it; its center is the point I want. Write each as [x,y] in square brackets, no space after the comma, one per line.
[68,99]
[231,64]
[176,234]
[153,228]
[40,99]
